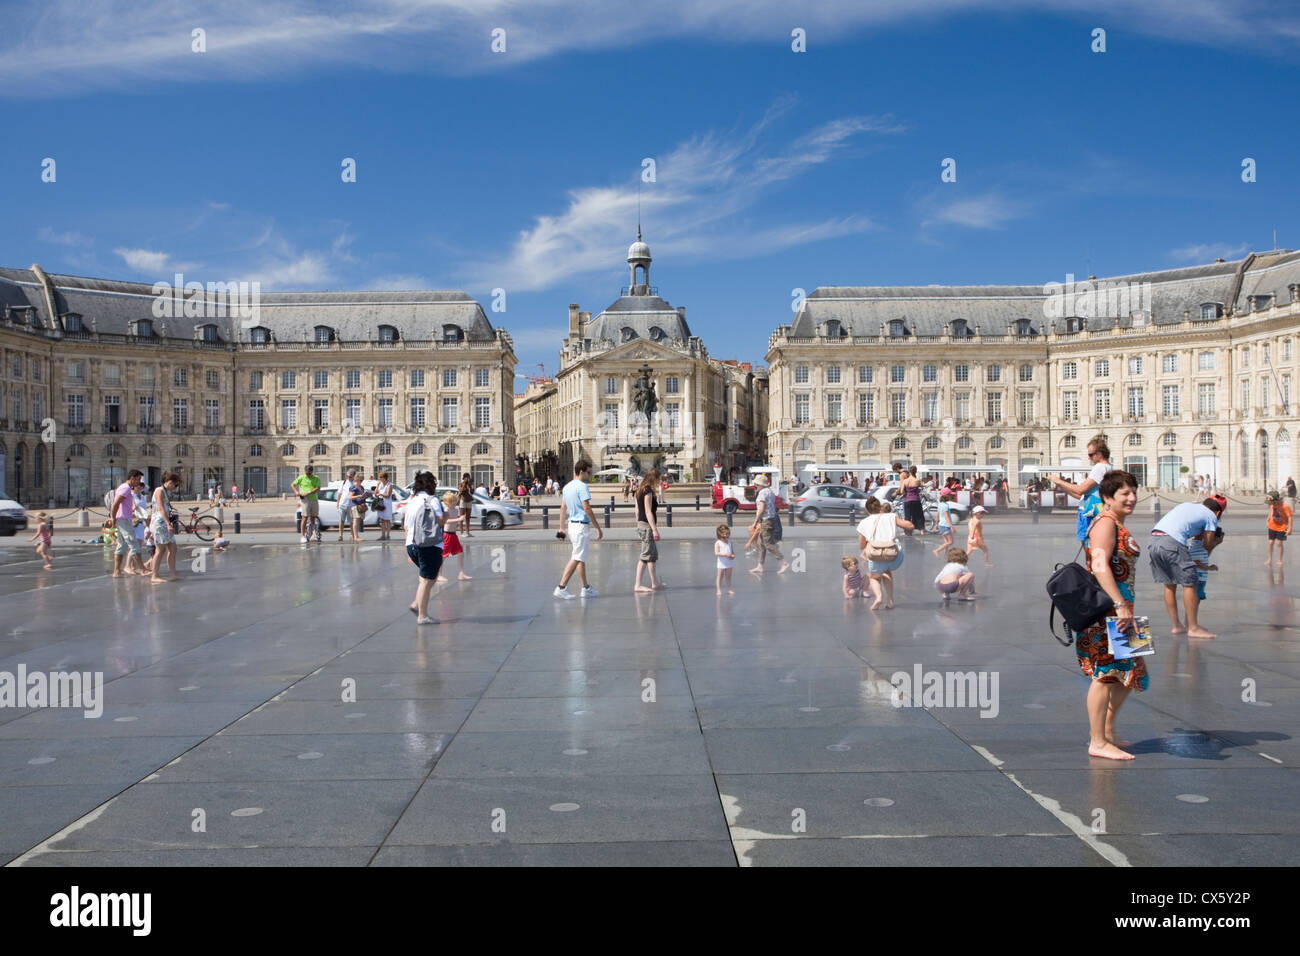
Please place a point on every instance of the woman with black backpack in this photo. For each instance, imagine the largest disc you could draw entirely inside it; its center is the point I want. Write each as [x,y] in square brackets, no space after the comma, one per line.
[1112,558]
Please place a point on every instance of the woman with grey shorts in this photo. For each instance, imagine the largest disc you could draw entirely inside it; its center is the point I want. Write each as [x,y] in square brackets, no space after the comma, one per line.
[647,508]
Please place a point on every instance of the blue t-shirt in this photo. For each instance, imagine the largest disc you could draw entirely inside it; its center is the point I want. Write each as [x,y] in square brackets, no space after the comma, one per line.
[574,494]
[1188,520]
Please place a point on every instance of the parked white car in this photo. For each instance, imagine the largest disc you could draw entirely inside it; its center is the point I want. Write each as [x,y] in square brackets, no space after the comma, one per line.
[12,517]
[328,497]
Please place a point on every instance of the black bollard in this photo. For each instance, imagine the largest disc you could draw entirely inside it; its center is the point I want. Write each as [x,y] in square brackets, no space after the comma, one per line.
[528,503]
[697,502]
[236,522]
[607,507]
[546,517]
[611,503]
[668,510]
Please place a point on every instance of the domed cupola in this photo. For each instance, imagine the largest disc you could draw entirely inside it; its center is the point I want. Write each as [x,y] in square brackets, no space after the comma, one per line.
[638,257]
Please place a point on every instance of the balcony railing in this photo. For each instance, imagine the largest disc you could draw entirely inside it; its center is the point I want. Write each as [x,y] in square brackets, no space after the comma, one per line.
[80,428]
[1207,416]
[212,429]
[254,429]
[182,429]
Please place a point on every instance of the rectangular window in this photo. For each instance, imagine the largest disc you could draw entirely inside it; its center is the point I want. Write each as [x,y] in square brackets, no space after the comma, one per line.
[213,378]
[320,380]
[1102,368]
[449,378]
[611,386]
[352,378]
[865,374]
[146,411]
[833,374]
[180,413]
[256,414]
[961,373]
[482,412]
[1244,395]
[670,385]
[212,413]
[385,378]
[112,373]
[38,412]
[961,406]
[994,373]
[897,408]
[1286,392]
[289,413]
[1028,408]
[866,407]
[801,374]
[674,416]
[145,376]
[1135,365]
[1101,405]
[994,405]
[18,366]
[897,373]
[76,371]
[930,406]
[36,377]
[288,380]
[320,414]
[611,415]
[1205,404]
[929,373]
[450,413]
[417,378]
[1070,371]
[385,413]
[1136,402]
[1245,356]
[1026,373]
[1268,353]
[417,413]
[1263,391]
[1169,401]
[1169,363]
[180,377]
[254,380]
[1205,361]
[834,408]
[482,377]
[1070,407]
[1286,351]
[352,412]
[801,410]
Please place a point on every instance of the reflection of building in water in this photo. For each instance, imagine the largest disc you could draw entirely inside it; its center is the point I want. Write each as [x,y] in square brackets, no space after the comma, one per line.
[1196,377]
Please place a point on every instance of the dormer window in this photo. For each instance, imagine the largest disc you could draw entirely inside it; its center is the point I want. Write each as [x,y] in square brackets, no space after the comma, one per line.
[452,333]
[1211,310]
[656,333]
[834,330]
[144,328]
[1263,301]
[260,335]
[959,328]
[1025,327]
[209,333]
[324,333]
[1075,323]
[71,322]
[627,333]
[897,328]
[387,333]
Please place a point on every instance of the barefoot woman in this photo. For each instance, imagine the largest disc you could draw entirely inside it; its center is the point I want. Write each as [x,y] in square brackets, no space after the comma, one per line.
[1112,556]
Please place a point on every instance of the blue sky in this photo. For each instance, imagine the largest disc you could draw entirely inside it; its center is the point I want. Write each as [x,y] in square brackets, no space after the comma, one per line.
[519,170]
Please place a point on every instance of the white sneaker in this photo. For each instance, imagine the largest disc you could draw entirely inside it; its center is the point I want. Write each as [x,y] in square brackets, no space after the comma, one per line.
[590,592]
[304,539]
[562,593]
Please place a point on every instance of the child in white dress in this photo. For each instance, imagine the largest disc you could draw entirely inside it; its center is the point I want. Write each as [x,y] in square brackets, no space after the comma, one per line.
[726,555]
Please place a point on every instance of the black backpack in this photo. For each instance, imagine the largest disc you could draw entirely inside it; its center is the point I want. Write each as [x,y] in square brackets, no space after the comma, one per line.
[1078,597]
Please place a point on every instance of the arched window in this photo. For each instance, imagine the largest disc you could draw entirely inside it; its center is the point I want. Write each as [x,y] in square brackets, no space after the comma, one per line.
[77,451]
[448,449]
[1206,438]
[482,448]
[324,333]
[384,449]
[931,443]
[148,450]
[259,335]
[995,442]
[1169,439]
[387,333]
[1028,442]
[1070,441]
[287,451]
[1135,439]
[835,445]
[415,448]
[656,333]
[214,450]
[627,333]
[803,444]
[964,442]
[184,451]
[867,444]
[900,443]
[319,450]
[352,448]
[113,450]
[254,451]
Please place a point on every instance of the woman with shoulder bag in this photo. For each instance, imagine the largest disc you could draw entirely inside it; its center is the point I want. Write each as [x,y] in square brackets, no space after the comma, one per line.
[383,499]
[1112,559]
[878,541]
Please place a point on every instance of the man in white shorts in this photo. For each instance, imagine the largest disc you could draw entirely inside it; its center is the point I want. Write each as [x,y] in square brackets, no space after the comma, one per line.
[577,504]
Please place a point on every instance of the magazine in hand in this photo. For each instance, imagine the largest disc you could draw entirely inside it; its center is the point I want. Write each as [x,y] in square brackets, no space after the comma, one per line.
[1138,643]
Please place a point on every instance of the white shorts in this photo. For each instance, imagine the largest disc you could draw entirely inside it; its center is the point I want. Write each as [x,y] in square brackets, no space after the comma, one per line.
[579,534]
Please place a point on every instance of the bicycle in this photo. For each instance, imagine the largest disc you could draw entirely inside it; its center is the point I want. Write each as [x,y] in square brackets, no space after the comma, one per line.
[203,527]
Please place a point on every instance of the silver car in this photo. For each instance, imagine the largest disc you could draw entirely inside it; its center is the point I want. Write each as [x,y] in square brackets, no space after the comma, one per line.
[829,501]
[488,513]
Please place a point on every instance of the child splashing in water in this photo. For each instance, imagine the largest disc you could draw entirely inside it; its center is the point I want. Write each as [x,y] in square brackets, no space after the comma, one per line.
[44,531]
[975,535]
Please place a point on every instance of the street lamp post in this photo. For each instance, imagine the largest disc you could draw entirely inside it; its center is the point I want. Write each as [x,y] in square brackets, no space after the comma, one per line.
[67,481]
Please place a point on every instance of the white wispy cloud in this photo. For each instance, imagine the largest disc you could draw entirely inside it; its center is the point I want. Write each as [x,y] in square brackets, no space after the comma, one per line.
[1208,252]
[70,238]
[144,260]
[54,46]
[986,211]
[398,283]
[695,207]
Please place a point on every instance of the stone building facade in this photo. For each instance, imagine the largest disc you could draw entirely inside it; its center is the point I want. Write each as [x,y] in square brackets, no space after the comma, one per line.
[405,381]
[1185,371]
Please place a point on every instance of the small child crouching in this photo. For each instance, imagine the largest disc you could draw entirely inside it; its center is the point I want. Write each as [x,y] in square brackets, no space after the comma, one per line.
[956,577]
[852,577]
